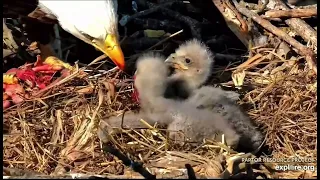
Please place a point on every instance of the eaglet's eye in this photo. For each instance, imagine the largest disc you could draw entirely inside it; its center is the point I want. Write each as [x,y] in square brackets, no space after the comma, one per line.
[187,60]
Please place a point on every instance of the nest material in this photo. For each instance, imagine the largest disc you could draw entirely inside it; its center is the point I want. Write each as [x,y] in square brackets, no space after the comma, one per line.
[283,102]
[57,133]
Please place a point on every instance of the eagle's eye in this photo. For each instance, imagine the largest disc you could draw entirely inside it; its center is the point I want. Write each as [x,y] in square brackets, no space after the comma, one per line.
[187,60]
[109,48]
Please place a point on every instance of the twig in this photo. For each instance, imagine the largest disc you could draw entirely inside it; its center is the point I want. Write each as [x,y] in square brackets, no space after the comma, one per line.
[298,25]
[149,23]
[291,13]
[247,63]
[68,48]
[103,56]
[137,167]
[304,7]
[303,50]
[67,55]
[123,22]
[258,8]
[57,43]
[192,23]
[190,171]
[233,19]
[244,26]
[262,6]
[7,52]
[165,39]
[8,38]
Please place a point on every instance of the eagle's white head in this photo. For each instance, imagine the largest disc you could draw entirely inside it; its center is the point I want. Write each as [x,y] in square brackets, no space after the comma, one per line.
[94,22]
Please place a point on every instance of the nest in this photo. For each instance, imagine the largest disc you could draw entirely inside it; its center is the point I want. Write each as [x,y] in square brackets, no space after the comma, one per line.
[57,133]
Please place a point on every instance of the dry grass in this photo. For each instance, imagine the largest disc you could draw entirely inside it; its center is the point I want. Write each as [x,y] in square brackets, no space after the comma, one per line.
[284,102]
[60,127]
[57,132]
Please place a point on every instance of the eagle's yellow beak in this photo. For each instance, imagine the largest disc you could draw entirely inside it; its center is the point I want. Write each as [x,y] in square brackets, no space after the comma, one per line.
[112,49]
[176,62]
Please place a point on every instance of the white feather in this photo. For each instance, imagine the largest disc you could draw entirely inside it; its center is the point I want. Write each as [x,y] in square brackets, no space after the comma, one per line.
[95,18]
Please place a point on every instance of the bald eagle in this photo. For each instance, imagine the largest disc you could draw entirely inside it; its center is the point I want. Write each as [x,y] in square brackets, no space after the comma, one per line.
[94,22]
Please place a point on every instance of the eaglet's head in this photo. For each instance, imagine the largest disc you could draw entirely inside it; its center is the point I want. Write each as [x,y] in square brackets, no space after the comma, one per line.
[192,62]
[151,73]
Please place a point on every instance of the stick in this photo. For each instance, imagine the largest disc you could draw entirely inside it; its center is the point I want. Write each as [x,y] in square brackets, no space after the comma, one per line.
[137,167]
[291,13]
[57,43]
[298,25]
[192,23]
[8,38]
[241,31]
[101,57]
[7,52]
[145,12]
[303,50]
[165,39]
